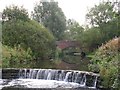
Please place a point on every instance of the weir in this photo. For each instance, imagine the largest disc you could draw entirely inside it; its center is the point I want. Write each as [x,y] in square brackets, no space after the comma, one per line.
[83,78]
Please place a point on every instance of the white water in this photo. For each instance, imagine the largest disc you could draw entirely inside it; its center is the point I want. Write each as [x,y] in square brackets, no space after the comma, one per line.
[67,76]
[48,78]
[37,83]
[57,75]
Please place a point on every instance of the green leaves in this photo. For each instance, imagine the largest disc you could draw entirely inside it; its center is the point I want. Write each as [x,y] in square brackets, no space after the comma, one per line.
[15,13]
[52,17]
[105,24]
[28,35]
[106,62]
[15,57]
[73,31]
[100,14]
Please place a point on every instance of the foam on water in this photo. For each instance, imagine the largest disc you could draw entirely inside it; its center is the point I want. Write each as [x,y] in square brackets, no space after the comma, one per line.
[33,83]
[49,78]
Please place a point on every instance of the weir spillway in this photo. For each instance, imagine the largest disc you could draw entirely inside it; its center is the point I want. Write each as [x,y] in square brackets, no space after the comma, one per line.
[83,78]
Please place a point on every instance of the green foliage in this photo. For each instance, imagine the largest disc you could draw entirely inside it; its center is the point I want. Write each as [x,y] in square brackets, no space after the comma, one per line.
[0,54]
[15,57]
[106,18]
[105,25]
[100,14]
[73,31]
[51,16]
[111,29]
[29,35]
[0,31]
[106,62]
[58,53]
[91,39]
[15,13]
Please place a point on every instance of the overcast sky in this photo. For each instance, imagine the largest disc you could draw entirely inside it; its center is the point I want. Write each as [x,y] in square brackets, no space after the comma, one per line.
[73,9]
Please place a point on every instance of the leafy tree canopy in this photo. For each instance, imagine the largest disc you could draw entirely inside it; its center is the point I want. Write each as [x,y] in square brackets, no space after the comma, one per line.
[14,13]
[74,30]
[51,16]
[27,33]
[101,14]
[105,17]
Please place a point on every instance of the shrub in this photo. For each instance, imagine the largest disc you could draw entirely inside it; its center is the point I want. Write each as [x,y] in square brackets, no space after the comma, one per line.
[105,61]
[29,34]
[15,57]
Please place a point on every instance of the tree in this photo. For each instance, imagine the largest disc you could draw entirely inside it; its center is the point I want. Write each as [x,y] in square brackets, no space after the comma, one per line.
[15,13]
[74,30]
[16,57]
[106,18]
[20,30]
[51,16]
[106,62]
[100,14]
[28,35]
[91,39]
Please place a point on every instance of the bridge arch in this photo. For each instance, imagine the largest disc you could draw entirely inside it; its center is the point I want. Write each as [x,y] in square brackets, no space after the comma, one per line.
[71,51]
[66,43]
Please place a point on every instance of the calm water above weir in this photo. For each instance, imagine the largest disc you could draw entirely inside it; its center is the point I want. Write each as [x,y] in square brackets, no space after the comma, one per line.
[47,78]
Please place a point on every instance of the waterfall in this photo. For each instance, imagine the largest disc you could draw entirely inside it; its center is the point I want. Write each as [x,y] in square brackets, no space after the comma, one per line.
[95,82]
[67,76]
[79,77]
[83,82]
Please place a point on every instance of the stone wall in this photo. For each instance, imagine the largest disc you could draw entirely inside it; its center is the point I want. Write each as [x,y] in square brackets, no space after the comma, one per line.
[10,73]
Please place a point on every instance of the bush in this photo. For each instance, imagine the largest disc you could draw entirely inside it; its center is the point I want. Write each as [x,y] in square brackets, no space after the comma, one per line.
[28,34]
[91,39]
[105,61]
[15,57]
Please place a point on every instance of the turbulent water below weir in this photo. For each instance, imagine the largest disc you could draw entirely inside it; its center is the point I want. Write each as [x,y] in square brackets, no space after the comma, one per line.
[39,84]
[33,83]
[48,78]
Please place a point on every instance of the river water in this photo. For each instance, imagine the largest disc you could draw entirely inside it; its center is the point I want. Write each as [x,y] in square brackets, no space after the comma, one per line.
[52,79]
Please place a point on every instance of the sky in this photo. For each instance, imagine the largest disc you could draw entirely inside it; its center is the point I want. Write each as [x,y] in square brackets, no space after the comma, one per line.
[73,9]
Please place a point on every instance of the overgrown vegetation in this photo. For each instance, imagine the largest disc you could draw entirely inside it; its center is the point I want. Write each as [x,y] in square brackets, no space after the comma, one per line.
[28,35]
[106,62]
[16,57]
[25,42]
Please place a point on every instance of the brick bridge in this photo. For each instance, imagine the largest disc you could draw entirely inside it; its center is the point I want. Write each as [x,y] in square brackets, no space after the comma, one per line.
[65,44]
